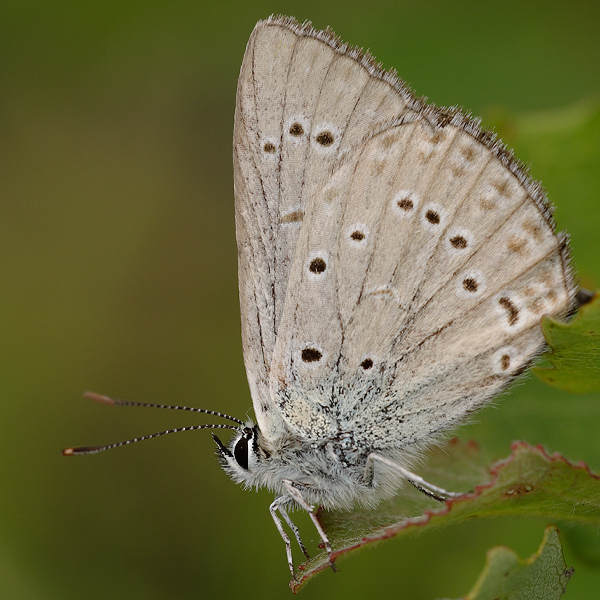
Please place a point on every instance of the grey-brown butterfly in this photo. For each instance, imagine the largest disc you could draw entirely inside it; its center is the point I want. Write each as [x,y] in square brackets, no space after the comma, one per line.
[394,265]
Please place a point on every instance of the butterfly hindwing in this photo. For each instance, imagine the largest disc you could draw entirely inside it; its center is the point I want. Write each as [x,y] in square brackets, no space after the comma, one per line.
[437,261]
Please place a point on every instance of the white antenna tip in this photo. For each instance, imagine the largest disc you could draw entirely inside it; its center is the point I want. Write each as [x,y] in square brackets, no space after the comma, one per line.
[101,399]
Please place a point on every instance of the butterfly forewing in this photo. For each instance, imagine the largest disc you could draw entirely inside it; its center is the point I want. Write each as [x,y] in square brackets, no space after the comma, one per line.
[304,100]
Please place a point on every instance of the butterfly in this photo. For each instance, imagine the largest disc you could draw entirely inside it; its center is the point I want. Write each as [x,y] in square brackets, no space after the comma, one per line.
[395,261]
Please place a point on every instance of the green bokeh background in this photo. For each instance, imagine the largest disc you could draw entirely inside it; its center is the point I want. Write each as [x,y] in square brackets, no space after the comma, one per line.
[118,274]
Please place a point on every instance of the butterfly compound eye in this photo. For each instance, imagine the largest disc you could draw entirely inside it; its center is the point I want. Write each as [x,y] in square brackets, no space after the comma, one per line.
[240,451]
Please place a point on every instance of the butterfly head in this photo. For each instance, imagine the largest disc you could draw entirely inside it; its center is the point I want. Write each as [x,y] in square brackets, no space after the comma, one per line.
[254,462]
[243,457]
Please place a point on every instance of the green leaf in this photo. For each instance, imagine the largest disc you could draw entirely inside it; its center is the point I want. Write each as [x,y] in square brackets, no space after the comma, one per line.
[575,355]
[543,576]
[528,483]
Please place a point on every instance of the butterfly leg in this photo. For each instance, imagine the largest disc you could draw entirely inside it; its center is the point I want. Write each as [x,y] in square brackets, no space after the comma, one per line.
[292,526]
[295,494]
[433,491]
[276,505]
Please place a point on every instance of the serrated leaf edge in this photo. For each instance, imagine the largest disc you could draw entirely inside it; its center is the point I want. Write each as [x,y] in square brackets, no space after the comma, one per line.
[429,514]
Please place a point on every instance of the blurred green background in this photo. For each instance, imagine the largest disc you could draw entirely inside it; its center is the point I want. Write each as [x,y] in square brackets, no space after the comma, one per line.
[118,274]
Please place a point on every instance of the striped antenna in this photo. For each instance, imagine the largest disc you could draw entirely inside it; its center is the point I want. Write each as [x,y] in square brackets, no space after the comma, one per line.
[101,399]
[80,450]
